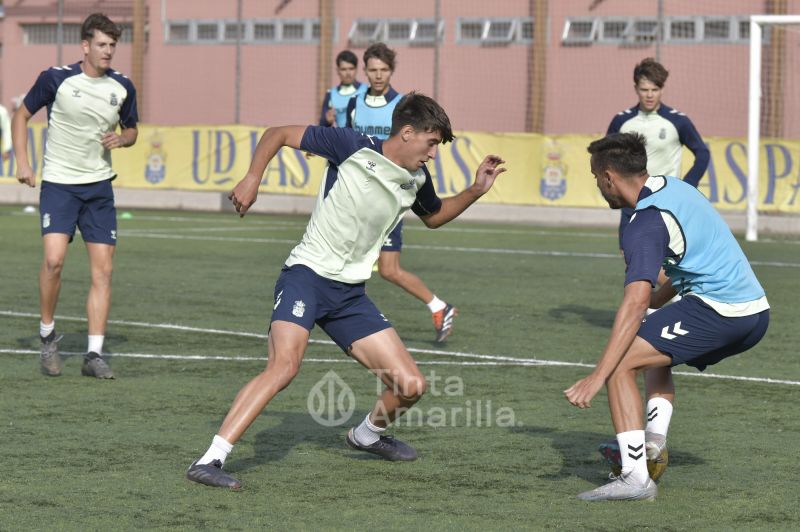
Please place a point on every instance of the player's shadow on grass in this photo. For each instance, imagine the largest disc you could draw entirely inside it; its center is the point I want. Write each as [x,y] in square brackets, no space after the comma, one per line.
[274,443]
[580,456]
[597,317]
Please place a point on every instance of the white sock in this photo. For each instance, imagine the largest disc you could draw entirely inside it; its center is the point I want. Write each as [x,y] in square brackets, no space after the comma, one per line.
[45,330]
[96,344]
[219,450]
[634,460]
[659,414]
[436,304]
[367,433]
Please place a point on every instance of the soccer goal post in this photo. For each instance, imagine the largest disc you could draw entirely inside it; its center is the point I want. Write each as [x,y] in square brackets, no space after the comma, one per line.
[757,24]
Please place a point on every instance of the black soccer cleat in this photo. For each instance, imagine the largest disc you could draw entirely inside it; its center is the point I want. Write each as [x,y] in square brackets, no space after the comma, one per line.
[443,322]
[50,360]
[386,447]
[212,475]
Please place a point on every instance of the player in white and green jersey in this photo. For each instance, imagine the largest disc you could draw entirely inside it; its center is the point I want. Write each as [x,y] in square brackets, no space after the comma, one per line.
[85,102]
[368,185]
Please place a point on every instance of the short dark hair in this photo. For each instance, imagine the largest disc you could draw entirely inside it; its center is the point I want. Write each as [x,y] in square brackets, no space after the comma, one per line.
[423,114]
[100,22]
[652,70]
[346,56]
[622,152]
[380,51]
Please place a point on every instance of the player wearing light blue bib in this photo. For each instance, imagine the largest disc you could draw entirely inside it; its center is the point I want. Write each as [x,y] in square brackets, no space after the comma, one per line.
[666,132]
[371,114]
[367,186]
[723,312]
[85,102]
[334,105]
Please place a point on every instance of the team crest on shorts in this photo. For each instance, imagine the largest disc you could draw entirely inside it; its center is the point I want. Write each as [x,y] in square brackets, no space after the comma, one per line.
[299,309]
[46,220]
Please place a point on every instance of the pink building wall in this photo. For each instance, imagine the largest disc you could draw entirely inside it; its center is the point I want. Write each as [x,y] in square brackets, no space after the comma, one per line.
[483,87]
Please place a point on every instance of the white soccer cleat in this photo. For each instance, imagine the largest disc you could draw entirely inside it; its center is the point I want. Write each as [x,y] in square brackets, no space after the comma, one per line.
[622,488]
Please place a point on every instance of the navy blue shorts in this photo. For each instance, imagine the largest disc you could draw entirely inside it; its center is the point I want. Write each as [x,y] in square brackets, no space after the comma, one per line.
[343,310]
[89,207]
[394,242]
[692,333]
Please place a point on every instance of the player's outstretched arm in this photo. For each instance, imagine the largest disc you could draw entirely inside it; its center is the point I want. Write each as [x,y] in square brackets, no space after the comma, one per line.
[244,194]
[485,177]
[626,325]
[19,138]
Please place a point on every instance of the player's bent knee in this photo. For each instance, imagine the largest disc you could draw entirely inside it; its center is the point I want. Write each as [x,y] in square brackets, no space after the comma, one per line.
[391,275]
[284,369]
[412,388]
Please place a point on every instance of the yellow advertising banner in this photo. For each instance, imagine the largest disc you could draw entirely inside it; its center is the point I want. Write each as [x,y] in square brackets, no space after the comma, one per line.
[551,170]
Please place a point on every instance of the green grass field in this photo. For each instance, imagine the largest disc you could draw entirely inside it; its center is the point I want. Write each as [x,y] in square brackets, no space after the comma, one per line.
[192,299]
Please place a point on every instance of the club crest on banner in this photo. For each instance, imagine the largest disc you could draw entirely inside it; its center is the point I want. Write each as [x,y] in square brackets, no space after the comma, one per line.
[155,170]
[553,184]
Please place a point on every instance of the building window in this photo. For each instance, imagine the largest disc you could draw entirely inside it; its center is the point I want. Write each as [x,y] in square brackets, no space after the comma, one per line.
[208,31]
[420,32]
[526,30]
[365,32]
[579,31]
[716,29]
[744,30]
[640,30]
[178,32]
[681,30]
[265,32]
[250,31]
[613,30]
[234,31]
[494,31]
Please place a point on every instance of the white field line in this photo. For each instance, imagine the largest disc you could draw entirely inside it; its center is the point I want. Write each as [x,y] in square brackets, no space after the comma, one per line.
[299,225]
[529,252]
[483,360]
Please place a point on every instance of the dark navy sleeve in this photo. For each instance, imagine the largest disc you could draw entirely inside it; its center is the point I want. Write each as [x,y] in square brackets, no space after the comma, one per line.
[690,138]
[326,102]
[645,244]
[351,107]
[43,92]
[129,112]
[336,144]
[615,124]
[619,119]
[427,201]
